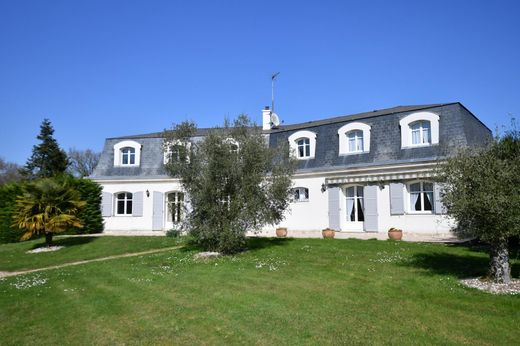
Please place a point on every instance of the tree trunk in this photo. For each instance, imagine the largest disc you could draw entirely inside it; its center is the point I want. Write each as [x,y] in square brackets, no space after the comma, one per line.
[499,270]
[48,238]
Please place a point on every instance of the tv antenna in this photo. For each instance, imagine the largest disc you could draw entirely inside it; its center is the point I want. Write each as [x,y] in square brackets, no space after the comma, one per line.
[273,79]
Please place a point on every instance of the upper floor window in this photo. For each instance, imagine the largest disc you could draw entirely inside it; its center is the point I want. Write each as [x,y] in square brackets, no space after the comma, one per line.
[127,156]
[421,197]
[419,129]
[303,144]
[304,147]
[174,152]
[300,194]
[124,203]
[421,132]
[127,153]
[354,138]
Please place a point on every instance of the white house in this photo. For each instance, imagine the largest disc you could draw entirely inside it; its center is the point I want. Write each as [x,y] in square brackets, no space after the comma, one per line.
[364,172]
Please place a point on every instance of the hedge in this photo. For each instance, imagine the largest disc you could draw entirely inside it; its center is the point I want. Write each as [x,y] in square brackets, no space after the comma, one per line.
[8,193]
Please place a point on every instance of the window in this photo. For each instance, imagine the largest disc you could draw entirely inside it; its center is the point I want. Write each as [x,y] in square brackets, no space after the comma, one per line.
[124,203]
[355,207]
[127,153]
[421,197]
[175,207]
[419,129]
[174,152]
[355,141]
[354,138]
[303,144]
[300,194]
[127,156]
[304,147]
[420,132]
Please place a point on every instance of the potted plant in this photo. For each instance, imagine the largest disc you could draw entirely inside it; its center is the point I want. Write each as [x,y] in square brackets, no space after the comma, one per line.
[395,233]
[281,232]
[328,233]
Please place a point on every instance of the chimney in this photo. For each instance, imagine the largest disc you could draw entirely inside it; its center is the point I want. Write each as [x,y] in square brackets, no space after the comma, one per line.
[266,118]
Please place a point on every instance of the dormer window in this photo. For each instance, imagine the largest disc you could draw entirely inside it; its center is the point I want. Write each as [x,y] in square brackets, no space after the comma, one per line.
[303,144]
[127,156]
[174,152]
[354,138]
[419,130]
[304,147]
[355,141]
[127,153]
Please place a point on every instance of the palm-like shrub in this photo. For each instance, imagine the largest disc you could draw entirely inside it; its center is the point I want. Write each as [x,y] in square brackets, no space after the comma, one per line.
[47,207]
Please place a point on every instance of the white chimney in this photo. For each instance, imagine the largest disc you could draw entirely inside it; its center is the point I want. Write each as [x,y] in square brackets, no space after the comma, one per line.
[266,118]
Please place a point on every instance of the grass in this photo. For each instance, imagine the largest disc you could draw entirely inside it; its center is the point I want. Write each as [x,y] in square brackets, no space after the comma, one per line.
[281,291]
[14,257]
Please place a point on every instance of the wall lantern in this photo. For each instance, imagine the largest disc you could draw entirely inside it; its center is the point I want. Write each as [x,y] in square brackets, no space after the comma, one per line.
[147,193]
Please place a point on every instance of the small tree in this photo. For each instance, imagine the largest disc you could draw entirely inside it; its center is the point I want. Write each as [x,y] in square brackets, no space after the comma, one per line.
[47,206]
[82,162]
[482,193]
[234,181]
[9,172]
[47,159]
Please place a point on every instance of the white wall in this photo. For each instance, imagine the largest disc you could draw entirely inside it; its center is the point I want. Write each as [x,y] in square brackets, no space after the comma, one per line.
[134,223]
[416,223]
[307,216]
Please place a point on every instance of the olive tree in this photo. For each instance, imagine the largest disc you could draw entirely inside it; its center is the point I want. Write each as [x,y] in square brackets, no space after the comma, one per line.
[234,181]
[482,193]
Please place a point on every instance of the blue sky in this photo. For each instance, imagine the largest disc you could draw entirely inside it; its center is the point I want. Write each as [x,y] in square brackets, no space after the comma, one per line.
[102,69]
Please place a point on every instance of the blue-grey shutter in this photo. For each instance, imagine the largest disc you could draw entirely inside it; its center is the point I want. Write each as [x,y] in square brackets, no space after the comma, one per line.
[158,215]
[370,202]
[137,204]
[396,199]
[439,206]
[106,204]
[334,211]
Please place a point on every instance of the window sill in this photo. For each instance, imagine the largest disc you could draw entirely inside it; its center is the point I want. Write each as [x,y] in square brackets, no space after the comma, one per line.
[135,165]
[353,153]
[418,146]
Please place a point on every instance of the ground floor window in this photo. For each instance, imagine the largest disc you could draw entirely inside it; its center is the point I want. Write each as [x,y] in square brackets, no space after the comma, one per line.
[355,207]
[124,203]
[300,194]
[421,197]
[175,203]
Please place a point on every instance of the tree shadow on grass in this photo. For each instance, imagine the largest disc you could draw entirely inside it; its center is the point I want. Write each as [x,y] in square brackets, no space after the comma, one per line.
[461,266]
[67,241]
[252,243]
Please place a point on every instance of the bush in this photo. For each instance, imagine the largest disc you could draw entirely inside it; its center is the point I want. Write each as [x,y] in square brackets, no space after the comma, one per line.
[173,233]
[8,193]
[90,216]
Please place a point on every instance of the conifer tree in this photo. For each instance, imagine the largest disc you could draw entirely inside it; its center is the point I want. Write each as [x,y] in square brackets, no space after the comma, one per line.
[47,159]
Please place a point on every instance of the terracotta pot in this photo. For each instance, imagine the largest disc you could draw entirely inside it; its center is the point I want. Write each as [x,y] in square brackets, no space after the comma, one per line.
[281,232]
[328,233]
[395,234]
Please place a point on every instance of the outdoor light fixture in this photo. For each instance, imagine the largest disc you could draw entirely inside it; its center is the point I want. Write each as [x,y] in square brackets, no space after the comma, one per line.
[147,193]
[323,187]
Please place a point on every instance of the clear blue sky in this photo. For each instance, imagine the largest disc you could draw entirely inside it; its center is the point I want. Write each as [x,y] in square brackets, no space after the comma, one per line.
[102,69]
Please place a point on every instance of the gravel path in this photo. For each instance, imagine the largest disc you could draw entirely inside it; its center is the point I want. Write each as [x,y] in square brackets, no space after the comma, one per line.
[6,274]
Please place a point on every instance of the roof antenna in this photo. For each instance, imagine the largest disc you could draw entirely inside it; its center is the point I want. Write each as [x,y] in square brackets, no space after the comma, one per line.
[273,79]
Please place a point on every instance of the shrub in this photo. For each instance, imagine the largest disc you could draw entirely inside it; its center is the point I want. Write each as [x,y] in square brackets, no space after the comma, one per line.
[90,216]
[8,193]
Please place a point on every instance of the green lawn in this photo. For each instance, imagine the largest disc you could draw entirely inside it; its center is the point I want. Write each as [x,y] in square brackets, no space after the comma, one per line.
[14,257]
[281,291]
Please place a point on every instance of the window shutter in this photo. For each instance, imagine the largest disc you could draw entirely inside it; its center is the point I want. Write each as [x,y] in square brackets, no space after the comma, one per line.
[106,204]
[158,215]
[396,199]
[137,204]
[334,211]
[439,207]
[371,216]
